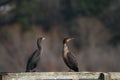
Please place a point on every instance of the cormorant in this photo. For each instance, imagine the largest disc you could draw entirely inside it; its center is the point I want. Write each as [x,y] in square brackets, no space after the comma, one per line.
[68,57]
[101,76]
[35,57]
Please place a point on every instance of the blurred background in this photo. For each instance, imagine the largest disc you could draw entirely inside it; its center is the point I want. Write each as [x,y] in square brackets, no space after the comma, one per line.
[93,23]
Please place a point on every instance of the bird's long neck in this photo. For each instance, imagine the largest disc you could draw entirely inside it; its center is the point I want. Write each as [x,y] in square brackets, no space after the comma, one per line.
[39,46]
[65,49]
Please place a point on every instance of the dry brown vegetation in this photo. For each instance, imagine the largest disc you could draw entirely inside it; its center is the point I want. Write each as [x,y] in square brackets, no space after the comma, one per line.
[93,55]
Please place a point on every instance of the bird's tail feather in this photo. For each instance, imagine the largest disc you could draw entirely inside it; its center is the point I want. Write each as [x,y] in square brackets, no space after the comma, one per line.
[76,70]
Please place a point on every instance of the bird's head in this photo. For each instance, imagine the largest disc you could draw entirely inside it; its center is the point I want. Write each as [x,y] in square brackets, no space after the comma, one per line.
[67,39]
[39,40]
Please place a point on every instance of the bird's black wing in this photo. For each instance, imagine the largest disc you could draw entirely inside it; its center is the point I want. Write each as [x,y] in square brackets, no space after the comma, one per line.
[72,62]
[35,56]
[33,60]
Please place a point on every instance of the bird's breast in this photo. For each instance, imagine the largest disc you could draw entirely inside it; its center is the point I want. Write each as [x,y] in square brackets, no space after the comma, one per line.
[65,52]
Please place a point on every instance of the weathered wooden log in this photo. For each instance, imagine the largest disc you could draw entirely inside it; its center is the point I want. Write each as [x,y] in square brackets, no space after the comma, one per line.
[60,75]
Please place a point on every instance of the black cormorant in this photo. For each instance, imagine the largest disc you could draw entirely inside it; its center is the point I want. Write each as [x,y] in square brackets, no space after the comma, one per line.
[101,76]
[68,57]
[35,57]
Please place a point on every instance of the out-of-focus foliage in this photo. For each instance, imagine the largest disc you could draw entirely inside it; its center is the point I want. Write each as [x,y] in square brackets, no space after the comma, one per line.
[30,12]
[72,8]
[27,11]
[89,7]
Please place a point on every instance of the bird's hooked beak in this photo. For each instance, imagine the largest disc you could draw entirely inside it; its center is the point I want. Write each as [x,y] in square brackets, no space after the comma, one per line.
[43,38]
[69,39]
